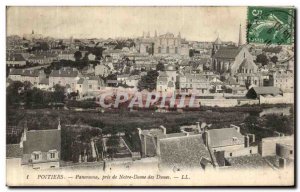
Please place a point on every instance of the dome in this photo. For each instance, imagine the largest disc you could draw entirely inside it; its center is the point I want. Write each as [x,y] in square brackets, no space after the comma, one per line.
[170,67]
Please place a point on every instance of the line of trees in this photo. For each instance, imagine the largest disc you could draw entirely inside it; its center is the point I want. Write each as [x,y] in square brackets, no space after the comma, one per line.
[19,93]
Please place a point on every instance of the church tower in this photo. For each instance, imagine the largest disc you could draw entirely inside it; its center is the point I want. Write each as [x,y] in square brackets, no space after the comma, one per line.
[216,45]
[240,36]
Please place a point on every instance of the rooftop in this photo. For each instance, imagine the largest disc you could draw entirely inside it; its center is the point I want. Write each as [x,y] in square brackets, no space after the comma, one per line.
[267,90]
[227,52]
[185,151]
[224,137]
[42,140]
[13,151]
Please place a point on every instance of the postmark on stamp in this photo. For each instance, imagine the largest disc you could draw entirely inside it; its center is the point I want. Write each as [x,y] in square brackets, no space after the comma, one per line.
[270,25]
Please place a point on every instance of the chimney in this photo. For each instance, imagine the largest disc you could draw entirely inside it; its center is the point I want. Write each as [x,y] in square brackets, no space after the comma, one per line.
[140,132]
[59,126]
[207,138]
[247,144]
[25,131]
[163,129]
[282,163]
[198,125]
[251,138]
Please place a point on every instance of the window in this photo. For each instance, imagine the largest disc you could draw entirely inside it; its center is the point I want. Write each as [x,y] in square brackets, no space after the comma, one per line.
[52,167]
[244,55]
[80,86]
[36,156]
[90,86]
[250,151]
[230,154]
[176,50]
[168,50]
[52,155]
[291,152]
[159,49]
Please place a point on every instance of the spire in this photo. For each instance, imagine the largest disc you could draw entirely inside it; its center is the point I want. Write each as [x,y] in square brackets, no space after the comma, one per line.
[32,32]
[179,35]
[155,33]
[240,36]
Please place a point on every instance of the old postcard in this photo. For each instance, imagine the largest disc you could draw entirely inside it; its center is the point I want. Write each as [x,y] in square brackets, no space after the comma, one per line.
[150,96]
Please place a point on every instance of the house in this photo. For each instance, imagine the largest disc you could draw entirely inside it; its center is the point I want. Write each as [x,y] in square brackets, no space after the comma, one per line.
[133,80]
[284,80]
[176,150]
[66,55]
[38,149]
[184,152]
[44,84]
[102,70]
[43,58]
[66,77]
[229,142]
[166,80]
[88,70]
[87,85]
[278,150]
[256,92]
[193,82]
[33,76]
[15,60]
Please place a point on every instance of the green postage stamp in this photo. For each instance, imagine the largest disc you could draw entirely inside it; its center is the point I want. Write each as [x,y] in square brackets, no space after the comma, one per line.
[270,25]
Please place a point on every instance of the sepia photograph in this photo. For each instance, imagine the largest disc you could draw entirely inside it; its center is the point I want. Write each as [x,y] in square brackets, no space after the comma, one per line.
[110,96]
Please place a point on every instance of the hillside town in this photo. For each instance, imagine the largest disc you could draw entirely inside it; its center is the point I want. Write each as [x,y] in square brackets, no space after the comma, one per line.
[226,105]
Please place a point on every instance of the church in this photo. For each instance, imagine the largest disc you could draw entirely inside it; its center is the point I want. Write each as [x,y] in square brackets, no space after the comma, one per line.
[163,45]
[232,59]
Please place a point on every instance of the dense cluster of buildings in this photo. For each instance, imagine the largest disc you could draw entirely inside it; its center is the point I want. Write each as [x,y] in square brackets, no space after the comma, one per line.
[205,68]
[220,73]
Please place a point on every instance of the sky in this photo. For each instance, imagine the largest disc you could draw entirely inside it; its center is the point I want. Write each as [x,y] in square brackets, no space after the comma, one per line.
[194,23]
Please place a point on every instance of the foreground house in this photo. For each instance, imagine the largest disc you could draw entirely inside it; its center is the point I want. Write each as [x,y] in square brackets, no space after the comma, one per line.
[38,149]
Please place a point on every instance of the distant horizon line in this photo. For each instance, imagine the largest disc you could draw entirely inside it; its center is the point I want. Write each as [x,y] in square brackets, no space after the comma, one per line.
[106,38]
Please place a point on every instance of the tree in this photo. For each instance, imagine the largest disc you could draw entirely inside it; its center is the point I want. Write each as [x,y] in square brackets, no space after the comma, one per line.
[160,67]
[112,143]
[274,59]
[191,52]
[77,55]
[58,94]
[148,81]
[262,58]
